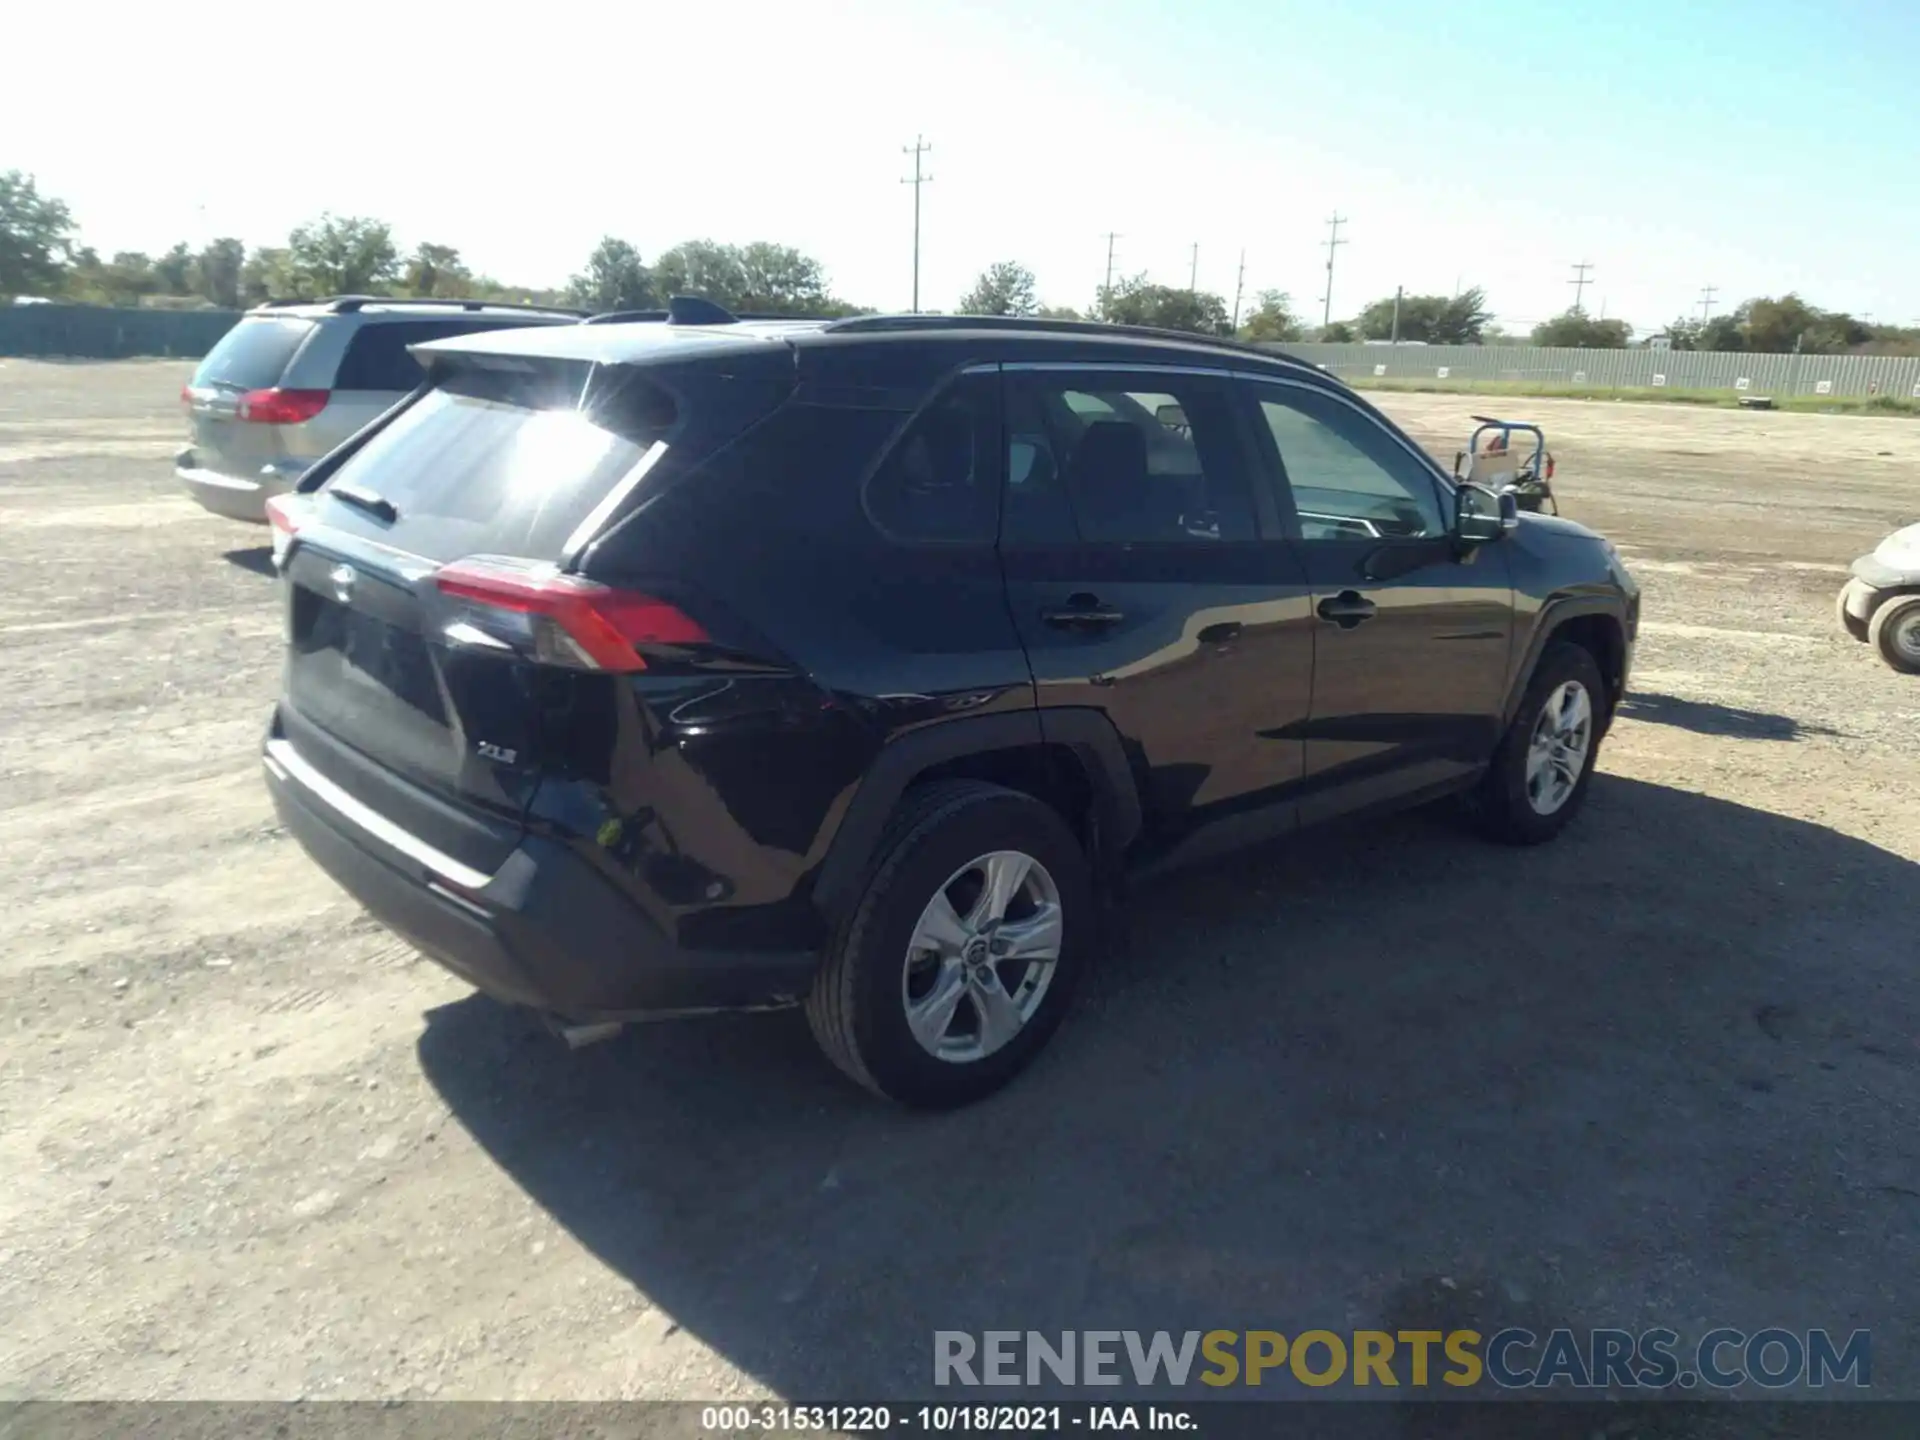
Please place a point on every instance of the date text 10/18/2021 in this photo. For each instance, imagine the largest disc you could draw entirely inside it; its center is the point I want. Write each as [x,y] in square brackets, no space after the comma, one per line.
[943,1419]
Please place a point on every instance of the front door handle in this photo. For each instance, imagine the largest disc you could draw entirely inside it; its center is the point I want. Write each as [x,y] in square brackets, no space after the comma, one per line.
[1347,609]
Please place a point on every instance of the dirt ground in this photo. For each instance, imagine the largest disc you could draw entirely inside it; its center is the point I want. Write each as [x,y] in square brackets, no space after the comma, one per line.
[1662,1072]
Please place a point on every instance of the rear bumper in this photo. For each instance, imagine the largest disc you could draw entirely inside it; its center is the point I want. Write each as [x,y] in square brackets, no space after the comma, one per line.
[545,930]
[238,497]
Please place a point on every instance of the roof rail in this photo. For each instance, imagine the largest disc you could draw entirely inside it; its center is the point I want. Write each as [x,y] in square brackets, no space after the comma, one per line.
[641,317]
[876,324]
[624,317]
[349,304]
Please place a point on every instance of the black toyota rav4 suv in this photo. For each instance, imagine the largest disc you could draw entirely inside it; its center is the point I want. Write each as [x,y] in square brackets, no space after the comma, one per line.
[693,662]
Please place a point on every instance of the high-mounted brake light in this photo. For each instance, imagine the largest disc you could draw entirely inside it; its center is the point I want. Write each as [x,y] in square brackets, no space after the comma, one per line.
[281,407]
[568,620]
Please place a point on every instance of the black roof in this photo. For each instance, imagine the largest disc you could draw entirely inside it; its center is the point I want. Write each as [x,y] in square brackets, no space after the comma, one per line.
[694,326]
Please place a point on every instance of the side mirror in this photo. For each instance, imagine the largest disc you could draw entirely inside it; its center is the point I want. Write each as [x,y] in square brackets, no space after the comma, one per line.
[1482,516]
[1173,417]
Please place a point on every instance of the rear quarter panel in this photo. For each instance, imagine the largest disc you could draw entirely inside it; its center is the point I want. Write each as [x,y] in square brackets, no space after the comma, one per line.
[722,788]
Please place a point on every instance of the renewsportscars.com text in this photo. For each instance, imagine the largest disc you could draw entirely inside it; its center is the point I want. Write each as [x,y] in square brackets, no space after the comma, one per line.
[1512,1359]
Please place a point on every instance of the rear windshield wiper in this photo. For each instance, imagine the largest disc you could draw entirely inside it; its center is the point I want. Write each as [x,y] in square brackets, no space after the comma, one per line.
[361,498]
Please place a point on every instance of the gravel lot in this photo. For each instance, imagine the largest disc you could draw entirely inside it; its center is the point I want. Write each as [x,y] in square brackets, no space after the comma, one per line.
[1664,1072]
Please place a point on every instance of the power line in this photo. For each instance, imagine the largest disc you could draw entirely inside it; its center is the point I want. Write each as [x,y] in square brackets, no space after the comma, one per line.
[1707,292]
[917,149]
[1333,242]
[1580,283]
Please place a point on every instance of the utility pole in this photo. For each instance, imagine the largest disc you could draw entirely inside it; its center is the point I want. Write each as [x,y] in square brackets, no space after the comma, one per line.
[1106,290]
[1707,292]
[1580,283]
[1193,275]
[1239,286]
[917,149]
[1396,313]
[1333,242]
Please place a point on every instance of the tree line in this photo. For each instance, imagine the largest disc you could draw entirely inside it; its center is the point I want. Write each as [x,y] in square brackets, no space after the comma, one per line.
[41,255]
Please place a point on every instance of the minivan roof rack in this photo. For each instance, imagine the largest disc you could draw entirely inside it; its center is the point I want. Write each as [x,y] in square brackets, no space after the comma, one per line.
[879,324]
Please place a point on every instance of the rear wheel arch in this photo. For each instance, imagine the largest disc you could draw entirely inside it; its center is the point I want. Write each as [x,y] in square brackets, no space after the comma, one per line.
[1069,759]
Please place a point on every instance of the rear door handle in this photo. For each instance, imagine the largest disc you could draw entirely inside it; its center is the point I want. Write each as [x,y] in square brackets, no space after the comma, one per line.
[1083,612]
[1347,609]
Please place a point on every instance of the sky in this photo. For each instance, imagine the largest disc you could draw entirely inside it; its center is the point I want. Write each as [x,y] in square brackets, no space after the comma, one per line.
[1757,146]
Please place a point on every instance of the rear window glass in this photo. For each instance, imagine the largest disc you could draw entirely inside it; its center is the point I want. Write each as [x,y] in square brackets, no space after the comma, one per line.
[253,355]
[377,357]
[503,466]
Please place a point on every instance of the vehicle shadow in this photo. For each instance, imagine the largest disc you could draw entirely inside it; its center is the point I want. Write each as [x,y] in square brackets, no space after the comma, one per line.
[256,558]
[1652,1074]
[1705,718]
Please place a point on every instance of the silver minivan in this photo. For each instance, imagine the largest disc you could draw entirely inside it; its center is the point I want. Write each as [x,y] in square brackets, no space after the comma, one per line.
[292,380]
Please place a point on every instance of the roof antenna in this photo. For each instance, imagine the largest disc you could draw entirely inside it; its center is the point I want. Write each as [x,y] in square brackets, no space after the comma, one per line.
[694,310]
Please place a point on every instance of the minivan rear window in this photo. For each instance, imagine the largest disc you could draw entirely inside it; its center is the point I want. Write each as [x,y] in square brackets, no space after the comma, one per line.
[377,357]
[496,465]
[254,354]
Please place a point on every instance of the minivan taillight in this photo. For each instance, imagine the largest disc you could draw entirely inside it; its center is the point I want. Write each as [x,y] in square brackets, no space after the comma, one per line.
[563,619]
[281,407]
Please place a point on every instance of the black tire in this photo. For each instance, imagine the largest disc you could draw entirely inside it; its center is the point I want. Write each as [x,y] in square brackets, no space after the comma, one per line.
[1852,624]
[857,1008]
[1501,806]
[1895,632]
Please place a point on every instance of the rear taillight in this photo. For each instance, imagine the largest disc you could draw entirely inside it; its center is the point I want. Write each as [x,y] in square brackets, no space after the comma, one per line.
[186,396]
[563,619]
[285,514]
[281,407]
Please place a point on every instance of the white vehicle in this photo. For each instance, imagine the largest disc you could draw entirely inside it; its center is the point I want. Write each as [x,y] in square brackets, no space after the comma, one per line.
[1881,603]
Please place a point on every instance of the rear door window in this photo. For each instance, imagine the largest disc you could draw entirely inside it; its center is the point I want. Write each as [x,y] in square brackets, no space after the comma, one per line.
[253,355]
[1114,459]
[940,483]
[503,464]
[377,357]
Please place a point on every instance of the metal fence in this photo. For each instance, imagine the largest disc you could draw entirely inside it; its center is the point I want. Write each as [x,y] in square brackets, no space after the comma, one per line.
[1654,369]
[100,332]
